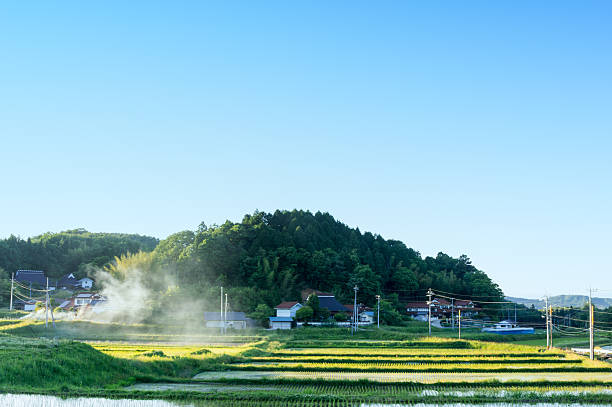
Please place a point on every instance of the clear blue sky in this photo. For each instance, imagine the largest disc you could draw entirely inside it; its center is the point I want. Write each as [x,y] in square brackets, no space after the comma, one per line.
[476,127]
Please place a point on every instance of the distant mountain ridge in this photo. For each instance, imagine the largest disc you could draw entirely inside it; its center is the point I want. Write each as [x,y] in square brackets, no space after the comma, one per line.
[576,301]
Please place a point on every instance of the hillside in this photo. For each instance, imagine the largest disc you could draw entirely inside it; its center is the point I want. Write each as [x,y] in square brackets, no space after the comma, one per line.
[69,251]
[269,257]
[576,301]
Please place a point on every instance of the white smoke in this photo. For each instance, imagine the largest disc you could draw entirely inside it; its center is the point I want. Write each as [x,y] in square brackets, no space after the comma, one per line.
[126,300]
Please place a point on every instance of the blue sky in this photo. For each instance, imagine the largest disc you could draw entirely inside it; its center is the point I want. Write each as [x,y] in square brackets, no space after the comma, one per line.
[477,127]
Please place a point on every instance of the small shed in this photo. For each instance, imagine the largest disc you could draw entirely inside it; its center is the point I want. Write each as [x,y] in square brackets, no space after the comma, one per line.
[280,322]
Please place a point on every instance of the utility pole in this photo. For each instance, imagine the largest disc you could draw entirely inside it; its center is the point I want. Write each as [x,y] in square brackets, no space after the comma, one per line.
[378,311]
[429,294]
[515,312]
[551,327]
[47,304]
[459,323]
[591,326]
[12,284]
[547,325]
[453,312]
[355,313]
[225,316]
[221,313]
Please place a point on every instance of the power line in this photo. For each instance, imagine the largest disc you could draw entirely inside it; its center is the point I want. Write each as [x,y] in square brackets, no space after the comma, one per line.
[17,283]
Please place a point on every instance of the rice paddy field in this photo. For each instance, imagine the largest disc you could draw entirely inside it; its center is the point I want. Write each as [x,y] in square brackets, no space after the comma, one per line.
[268,370]
[434,371]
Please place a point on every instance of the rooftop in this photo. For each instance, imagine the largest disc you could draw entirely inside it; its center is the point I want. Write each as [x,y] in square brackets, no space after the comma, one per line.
[31,276]
[331,304]
[286,305]
[281,319]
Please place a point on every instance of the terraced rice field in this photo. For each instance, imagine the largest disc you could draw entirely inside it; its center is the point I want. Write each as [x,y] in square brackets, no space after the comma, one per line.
[472,372]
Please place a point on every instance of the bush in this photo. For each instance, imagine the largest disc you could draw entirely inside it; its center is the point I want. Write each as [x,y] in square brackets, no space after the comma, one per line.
[304,314]
[341,317]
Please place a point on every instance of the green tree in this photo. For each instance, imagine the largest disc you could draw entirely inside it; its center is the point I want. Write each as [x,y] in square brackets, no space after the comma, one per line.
[304,314]
[5,288]
[388,314]
[262,314]
[341,317]
[313,303]
[368,283]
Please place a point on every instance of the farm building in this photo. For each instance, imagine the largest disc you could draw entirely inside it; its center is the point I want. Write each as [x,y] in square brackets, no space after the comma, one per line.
[287,309]
[281,322]
[24,305]
[235,320]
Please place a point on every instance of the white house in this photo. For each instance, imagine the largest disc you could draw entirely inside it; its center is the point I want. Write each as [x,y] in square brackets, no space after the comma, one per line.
[280,322]
[287,309]
[85,299]
[366,317]
[85,283]
[70,282]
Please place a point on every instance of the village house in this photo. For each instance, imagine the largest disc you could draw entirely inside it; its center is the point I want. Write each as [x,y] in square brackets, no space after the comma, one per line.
[441,308]
[326,300]
[33,278]
[281,322]
[285,314]
[287,309]
[365,315]
[418,310]
[70,282]
[80,300]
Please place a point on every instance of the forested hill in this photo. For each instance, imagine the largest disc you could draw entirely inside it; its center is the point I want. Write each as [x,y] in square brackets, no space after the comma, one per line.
[69,251]
[275,255]
[265,258]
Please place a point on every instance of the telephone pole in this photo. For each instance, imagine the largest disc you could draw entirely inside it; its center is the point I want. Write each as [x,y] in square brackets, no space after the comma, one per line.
[547,325]
[591,326]
[47,304]
[551,327]
[460,324]
[12,284]
[225,316]
[221,313]
[378,311]
[355,313]
[453,312]
[429,294]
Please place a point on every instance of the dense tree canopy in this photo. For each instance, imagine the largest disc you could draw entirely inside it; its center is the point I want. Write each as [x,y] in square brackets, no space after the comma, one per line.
[270,257]
[70,251]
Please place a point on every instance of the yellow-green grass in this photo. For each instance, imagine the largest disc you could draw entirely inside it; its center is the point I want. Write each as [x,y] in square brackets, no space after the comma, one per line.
[144,351]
